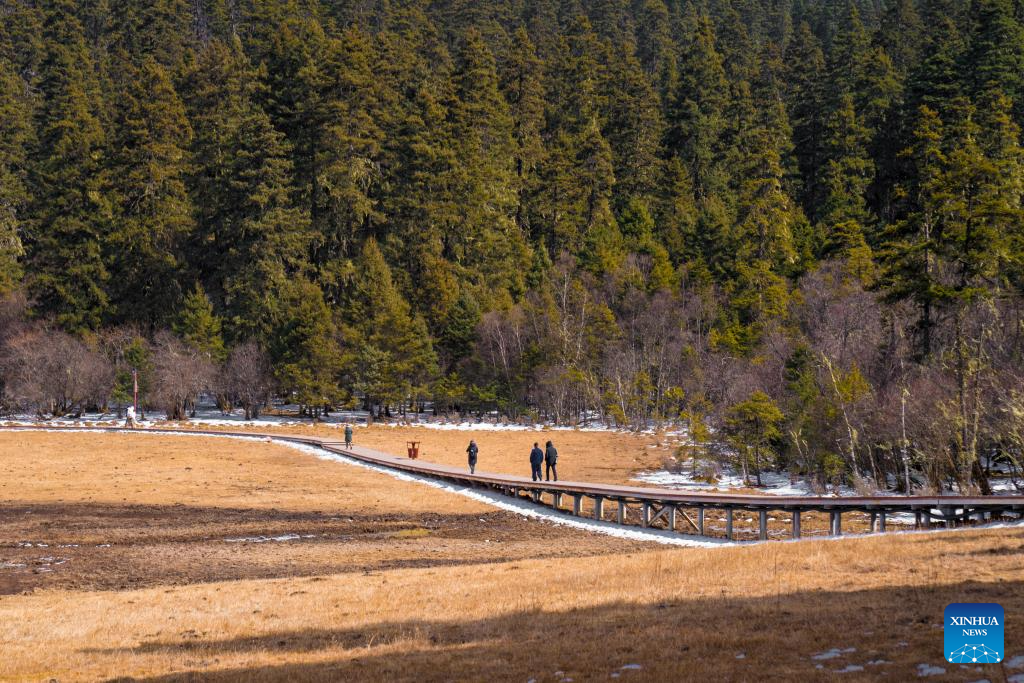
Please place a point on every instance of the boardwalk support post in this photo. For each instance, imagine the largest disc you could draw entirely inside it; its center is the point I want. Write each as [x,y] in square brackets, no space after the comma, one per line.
[700,520]
[796,524]
[646,518]
[881,521]
[557,500]
[728,523]
[621,517]
[598,507]
[672,518]
[871,524]
[762,524]
[835,523]
[577,504]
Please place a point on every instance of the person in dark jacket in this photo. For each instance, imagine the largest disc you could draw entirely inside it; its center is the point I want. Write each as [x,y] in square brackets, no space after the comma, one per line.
[536,458]
[551,460]
[472,452]
[348,436]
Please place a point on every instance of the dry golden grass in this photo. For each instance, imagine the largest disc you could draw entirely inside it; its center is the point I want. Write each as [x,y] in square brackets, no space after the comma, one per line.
[133,510]
[611,457]
[169,470]
[681,615]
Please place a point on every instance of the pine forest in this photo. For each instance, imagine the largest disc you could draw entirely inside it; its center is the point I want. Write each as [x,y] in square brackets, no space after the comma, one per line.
[791,229]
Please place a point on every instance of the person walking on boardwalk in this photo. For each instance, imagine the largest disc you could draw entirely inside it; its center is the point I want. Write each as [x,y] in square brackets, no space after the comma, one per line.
[472,451]
[551,460]
[348,436]
[536,458]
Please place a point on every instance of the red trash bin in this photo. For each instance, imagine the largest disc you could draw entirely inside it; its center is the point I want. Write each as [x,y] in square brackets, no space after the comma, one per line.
[414,449]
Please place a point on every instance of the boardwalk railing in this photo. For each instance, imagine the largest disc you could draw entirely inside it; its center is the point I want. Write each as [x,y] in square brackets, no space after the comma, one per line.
[663,508]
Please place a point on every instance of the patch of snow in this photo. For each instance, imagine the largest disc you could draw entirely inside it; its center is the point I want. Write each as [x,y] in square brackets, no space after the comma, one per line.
[1015,662]
[983,680]
[268,539]
[878,662]
[742,655]
[773,483]
[1015,678]
[1003,486]
[850,668]
[207,414]
[924,670]
[630,667]
[828,654]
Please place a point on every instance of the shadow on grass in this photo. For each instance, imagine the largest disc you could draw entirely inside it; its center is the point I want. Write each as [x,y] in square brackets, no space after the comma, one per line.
[892,631]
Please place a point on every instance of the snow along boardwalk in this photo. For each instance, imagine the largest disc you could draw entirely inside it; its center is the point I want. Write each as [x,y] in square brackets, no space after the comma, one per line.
[651,508]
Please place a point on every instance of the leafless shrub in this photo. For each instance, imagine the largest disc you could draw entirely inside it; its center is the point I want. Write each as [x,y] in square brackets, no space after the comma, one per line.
[52,373]
[248,378]
[180,375]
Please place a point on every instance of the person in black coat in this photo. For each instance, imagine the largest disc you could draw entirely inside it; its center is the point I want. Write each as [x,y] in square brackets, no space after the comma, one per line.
[551,459]
[536,458]
[472,452]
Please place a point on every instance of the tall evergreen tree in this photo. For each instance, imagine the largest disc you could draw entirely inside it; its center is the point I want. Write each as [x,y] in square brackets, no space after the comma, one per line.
[16,133]
[390,357]
[250,235]
[696,116]
[150,157]
[523,88]
[72,210]
[485,241]
[995,61]
[634,127]
[199,327]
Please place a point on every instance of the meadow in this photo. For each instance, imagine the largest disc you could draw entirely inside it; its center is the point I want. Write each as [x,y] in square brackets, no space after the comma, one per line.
[189,558]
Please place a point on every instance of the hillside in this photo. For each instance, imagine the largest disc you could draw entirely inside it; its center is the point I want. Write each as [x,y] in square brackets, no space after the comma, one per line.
[792,229]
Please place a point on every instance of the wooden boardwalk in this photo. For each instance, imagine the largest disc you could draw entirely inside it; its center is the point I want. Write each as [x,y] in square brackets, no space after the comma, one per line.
[681,511]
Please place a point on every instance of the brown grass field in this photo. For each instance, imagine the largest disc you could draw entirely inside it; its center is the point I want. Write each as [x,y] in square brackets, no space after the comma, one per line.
[611,457]
[130,576]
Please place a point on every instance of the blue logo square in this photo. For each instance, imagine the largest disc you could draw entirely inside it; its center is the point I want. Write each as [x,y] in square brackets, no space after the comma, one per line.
[973,633]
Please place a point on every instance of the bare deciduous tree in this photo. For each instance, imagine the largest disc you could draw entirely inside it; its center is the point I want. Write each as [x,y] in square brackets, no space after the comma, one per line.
[180,375]
[52,373]
[247,377]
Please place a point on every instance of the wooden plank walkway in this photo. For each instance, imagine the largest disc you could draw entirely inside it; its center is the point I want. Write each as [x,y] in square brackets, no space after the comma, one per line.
[656,507]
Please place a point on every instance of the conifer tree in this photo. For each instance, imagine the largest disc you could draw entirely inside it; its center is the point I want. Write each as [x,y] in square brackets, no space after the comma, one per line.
[844,216]
[634,128]
[346,161]
[805,99]
[72,210]
[304,346]
[16,132]
[391,356]
[144,249]
[485,241]
[995,60]
[250,235]
[764,210]
[909,244]
[522,85]
[902,34]
[676,214]
[199,327]
[697,109]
